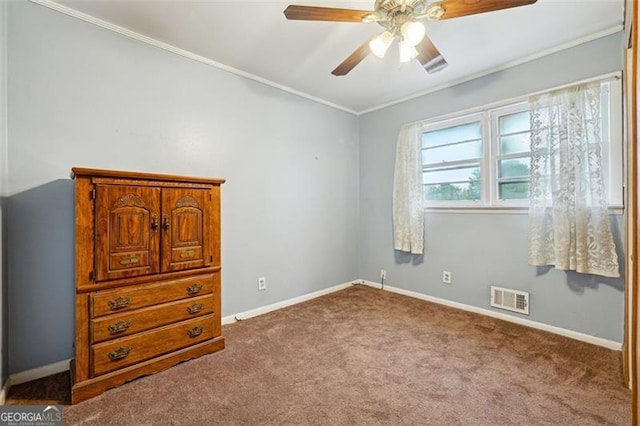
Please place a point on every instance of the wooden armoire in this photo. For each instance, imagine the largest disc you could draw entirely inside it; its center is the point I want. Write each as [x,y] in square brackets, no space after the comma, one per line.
[147,275]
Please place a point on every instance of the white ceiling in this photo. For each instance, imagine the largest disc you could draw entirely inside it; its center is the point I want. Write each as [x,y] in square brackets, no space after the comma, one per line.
[253,37]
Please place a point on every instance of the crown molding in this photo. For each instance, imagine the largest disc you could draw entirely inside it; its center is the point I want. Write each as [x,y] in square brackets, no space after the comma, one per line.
[170,48]
[185,53]
[502,67]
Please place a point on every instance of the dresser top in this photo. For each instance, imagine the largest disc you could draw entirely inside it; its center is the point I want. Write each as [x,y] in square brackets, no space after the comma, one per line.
[79,171]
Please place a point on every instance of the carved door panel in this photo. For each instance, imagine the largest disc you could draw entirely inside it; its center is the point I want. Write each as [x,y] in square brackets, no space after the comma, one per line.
[127,231]
[186,229]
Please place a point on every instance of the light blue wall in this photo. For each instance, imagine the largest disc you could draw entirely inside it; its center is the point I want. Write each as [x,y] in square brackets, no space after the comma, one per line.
[484,249]
[80,95]
[308,187]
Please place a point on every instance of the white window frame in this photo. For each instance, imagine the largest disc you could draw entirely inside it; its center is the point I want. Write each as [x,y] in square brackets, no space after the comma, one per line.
[495,157]
[457,121]
[612,153]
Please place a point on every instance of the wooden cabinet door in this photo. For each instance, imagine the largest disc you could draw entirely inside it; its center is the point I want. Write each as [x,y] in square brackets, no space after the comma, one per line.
[186,228]
[127,231]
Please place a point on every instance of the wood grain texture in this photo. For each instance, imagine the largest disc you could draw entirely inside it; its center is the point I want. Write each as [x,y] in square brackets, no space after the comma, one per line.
[124,175]
[147,318]
[354,59]
[141,296]
[125,243]
[83,268]
[429,56]
[312,13]
[457,8]
[185,222]
[632,217]
[143,279]
[152,343]
[81,391]
[215,231]
[145,284]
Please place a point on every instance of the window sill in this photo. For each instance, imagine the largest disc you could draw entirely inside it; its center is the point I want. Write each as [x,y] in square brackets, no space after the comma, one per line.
[613,210]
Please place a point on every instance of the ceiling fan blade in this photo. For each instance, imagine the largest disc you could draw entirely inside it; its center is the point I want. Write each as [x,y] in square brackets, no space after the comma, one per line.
[354,59]
[312,13]
[456,8]
[429,56]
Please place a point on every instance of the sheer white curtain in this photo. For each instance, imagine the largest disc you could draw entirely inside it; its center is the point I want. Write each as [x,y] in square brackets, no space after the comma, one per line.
[408,195]
[569,225]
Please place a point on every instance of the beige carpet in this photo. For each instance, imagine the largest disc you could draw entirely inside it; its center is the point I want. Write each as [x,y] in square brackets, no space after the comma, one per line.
[362,356]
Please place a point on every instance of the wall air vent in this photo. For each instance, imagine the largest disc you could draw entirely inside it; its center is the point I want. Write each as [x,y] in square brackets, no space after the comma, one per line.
[512,300]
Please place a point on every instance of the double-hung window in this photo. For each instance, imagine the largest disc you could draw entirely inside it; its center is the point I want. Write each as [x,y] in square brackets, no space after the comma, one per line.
[482,159]
[511,163]
[452,155]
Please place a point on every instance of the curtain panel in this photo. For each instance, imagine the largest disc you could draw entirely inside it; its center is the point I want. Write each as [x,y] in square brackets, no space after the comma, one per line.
[408,195]
[569,224]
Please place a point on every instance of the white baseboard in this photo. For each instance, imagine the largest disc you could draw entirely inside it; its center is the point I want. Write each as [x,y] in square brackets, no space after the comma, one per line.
[58,367]
[279,305]
[609,344]
[4,392]
[33,374]
[38,373]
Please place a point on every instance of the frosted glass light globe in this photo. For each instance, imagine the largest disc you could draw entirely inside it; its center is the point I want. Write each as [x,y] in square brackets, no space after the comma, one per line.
[412,32]
[407,52]
[381,43]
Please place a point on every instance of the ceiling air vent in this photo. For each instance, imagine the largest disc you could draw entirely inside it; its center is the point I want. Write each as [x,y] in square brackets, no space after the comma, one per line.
[512,300]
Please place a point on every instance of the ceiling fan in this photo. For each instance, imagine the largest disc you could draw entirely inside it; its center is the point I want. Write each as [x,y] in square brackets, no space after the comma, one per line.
[401,19]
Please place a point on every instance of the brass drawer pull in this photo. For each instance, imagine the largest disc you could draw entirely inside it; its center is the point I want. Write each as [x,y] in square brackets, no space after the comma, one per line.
[120,353]
[195,308]
[119,303]
[129,260]
[187,253]
[119,327]
[154,223]
[194,289]
[195,331]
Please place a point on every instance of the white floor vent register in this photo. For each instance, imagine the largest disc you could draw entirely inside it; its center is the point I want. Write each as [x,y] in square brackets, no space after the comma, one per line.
[512,300]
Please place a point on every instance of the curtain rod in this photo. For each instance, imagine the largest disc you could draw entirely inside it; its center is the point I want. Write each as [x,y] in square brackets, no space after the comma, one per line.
[615,75]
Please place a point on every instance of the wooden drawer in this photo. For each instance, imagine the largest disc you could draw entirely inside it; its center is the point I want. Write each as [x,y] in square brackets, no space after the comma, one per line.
[119,353]
[127,299]
[131,322]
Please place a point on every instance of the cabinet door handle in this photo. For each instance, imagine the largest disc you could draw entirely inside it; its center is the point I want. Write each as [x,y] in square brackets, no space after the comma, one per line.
[119,303]
[195,308]
[187,253]
[194,289]
[129,260]
[119,327]
[154,223]
[165,222]
[120,353]
[195,331]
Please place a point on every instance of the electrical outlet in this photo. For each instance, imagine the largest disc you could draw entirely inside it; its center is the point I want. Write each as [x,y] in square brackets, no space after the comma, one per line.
[446,277]
[383,274]
[262,283]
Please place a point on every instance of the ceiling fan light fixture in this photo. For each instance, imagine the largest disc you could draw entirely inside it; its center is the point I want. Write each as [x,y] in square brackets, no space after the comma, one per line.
[380,44]
[407,52]
[434,12]
[412,32]
[372,17]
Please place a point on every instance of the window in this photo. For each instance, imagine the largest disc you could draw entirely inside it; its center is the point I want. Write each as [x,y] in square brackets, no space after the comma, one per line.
[451,159]
[483,159]
[512,161]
